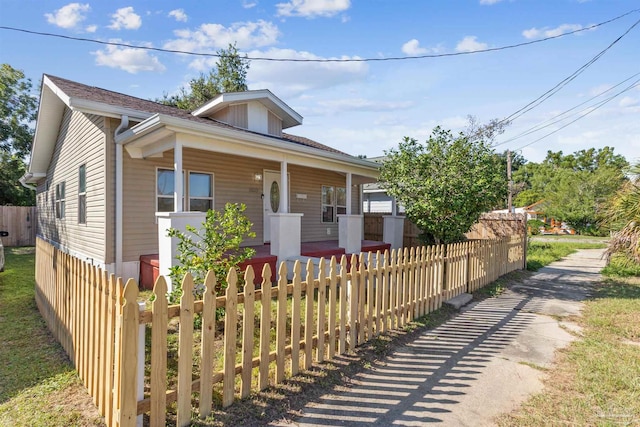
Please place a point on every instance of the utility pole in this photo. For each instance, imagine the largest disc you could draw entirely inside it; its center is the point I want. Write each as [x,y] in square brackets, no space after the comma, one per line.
[510,183]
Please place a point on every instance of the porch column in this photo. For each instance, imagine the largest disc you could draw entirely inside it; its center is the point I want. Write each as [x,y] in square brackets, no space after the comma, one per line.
[286,234]
[168,246]
[177,177]
[350,227]
[393,230]
[284,191]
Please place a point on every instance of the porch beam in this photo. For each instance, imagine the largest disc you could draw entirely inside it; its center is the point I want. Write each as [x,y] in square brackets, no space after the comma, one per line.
[177,177]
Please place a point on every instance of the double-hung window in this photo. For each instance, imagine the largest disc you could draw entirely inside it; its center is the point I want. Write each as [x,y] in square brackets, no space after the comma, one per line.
[82,194]
[200,191]
[334,202]
[198,188]
[60,200]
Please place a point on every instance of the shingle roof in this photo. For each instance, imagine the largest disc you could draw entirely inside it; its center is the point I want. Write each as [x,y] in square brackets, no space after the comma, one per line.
[108,97]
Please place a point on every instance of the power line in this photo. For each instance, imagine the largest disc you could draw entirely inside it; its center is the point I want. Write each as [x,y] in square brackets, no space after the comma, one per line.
[597,106]
[548,94]
[259,58]
[557,118]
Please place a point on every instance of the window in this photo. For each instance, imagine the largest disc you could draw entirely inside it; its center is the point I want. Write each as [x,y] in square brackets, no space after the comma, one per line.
[82,194]
[60,200]
[334,202]
[200,191]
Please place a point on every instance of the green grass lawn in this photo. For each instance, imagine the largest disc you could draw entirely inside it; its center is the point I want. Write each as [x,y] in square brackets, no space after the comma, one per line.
[38,386]
[596,380]
[541,252]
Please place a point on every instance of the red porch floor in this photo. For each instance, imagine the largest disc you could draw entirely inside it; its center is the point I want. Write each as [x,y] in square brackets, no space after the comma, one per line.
[326,249]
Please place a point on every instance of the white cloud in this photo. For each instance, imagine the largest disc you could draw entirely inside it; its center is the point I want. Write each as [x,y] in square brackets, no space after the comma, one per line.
[128,59]
[210,37]
[69,16]
[125,18]
[312,8]
[249,4]
[289,79]
[470,44]
[534,33]
[489,2]
[179,15]
[628,101]
[91,28]
[412,47]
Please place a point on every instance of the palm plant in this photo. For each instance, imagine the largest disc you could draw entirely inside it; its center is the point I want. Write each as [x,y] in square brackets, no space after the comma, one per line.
[622,213]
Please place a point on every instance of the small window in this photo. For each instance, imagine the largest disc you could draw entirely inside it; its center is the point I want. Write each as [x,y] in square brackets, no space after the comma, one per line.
[60,200]
[328,202]
[200,191]
[82,194]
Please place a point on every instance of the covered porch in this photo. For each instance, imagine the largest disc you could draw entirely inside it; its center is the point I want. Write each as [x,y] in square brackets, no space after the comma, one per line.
[149,264]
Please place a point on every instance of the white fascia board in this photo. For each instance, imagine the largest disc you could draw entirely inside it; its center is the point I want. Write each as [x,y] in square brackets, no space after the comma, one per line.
[50,110]
[106,110]
[247,143]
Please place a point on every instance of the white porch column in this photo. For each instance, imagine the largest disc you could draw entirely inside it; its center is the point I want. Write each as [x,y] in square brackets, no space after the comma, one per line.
[177,177]
[350,233]
[286,232]
[168,246]
[393,230]
[348,193]
[284,191]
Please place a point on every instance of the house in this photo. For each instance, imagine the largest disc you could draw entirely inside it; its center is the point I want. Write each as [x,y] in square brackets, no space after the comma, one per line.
[375,199]
[113,172]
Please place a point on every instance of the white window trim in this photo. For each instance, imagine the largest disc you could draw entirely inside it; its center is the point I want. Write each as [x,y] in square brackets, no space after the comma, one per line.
[60,202]
[82,193]
[186,199]
[188,189]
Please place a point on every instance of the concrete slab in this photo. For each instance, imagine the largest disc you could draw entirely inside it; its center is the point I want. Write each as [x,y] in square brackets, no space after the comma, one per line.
[482,363]
[459,301]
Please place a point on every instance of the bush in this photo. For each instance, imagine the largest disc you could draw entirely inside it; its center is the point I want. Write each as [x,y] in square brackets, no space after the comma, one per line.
[215,246]
[534,225]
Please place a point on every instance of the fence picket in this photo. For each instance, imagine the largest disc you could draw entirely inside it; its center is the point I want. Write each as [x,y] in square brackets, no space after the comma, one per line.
[333,300]
[158,377]
[247,331]
[344,282]
[322,313]
[281,323]
[308,321]
[296,314]
[265,328]
[127,394]
[230,329]
[185,352]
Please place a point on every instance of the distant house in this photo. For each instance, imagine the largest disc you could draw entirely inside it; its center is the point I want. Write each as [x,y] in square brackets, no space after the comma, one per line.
[113,172]
[375,198]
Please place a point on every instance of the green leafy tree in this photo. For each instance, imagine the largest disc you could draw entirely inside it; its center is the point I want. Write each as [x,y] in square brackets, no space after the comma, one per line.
[215,246]
[17,113]
[572,186]
[229,75]
[445,184]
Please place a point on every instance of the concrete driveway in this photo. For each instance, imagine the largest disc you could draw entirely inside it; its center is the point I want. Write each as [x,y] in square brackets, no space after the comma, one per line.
[482,363]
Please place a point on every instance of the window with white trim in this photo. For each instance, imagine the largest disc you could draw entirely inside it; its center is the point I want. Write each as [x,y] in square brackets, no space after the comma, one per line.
[334,202]
[198,187]
[82,194]
[200,191]
[60,200]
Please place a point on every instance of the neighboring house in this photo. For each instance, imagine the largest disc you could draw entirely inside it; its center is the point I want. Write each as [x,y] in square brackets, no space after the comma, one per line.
[375,198]
[104,165]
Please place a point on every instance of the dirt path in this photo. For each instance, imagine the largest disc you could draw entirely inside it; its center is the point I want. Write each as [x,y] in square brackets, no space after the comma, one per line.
[484,362]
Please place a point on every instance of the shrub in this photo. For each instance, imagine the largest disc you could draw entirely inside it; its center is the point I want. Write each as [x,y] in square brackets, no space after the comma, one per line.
[215,246]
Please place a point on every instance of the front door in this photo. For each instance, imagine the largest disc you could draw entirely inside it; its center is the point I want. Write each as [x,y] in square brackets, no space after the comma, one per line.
[270,200]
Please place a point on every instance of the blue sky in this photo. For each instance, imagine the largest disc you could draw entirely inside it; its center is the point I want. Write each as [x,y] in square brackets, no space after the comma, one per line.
[363,107]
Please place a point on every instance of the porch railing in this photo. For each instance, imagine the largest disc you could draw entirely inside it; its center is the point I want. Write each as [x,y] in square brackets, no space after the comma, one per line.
[322,313]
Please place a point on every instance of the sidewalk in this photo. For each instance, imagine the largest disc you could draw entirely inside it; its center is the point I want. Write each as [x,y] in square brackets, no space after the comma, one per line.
[482,363]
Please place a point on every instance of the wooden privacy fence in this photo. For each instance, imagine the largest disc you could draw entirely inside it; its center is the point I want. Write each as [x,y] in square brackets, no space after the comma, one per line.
[374,230]
[265,335]
[20,222]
